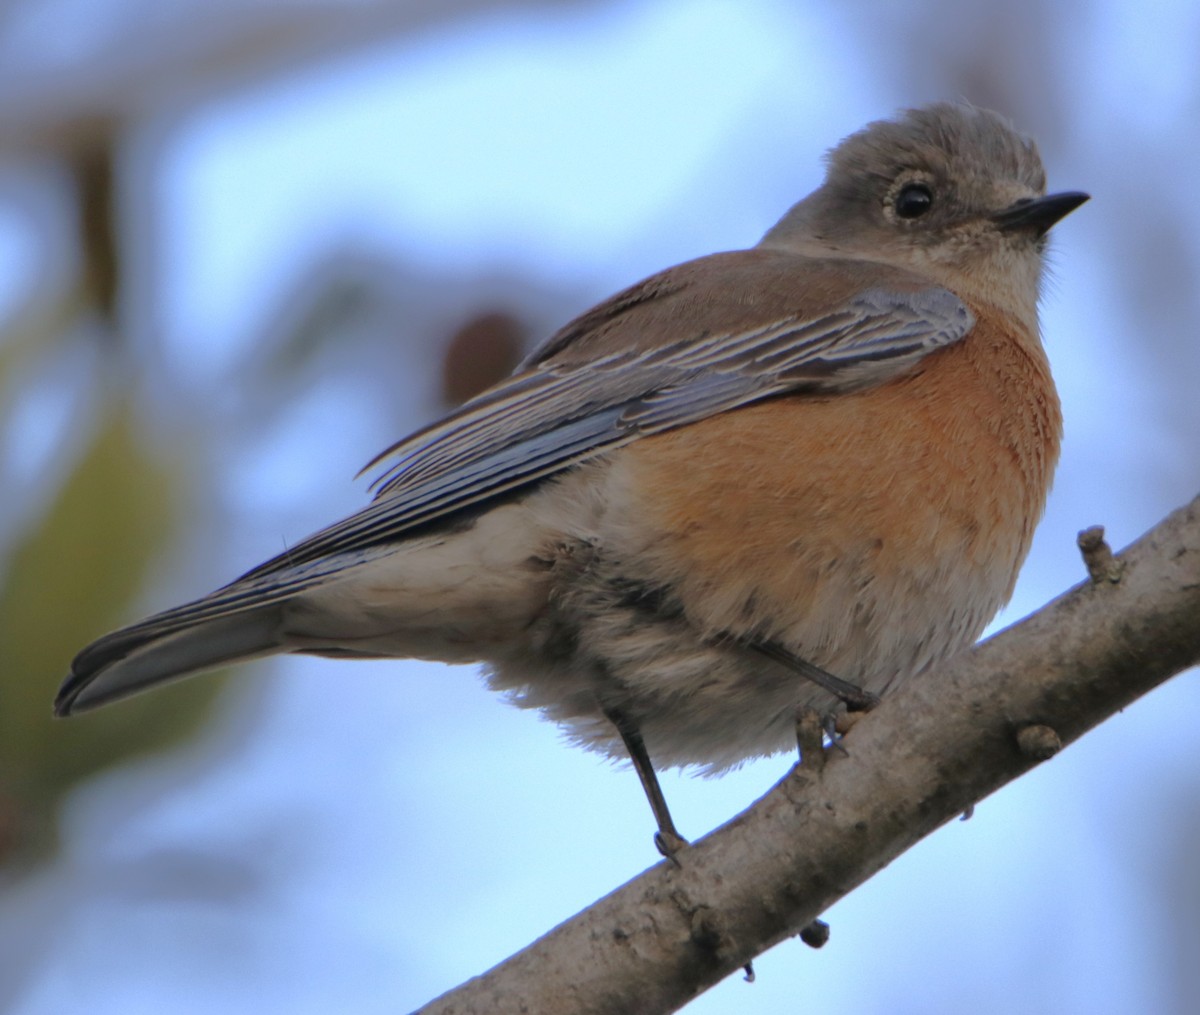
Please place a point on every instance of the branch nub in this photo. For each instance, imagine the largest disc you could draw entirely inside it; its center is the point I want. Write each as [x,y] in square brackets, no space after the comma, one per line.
[1102,566]
[1038,741]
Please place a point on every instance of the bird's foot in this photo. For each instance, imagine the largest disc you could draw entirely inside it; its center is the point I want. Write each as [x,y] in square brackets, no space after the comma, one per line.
[670,844]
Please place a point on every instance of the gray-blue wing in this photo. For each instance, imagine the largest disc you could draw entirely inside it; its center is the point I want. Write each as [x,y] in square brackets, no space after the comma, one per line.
[555,414]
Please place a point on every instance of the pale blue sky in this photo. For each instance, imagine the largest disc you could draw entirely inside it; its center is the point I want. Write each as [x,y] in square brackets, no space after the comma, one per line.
[532,142]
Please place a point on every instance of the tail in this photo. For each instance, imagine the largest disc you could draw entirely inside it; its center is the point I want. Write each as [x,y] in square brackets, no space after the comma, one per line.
[241,621]
[378,601]
[167,647]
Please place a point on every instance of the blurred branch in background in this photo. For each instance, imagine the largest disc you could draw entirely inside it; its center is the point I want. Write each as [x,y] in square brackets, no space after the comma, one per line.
[93,171]
[90,534]
[79,564]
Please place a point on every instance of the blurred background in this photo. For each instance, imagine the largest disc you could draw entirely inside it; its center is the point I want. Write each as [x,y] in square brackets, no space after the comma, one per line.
[246,245]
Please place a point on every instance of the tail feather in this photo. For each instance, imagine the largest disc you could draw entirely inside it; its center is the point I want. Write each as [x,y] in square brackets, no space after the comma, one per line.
[135,658]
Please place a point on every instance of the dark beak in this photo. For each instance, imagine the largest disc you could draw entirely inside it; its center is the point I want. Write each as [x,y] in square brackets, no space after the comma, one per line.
[1037,214]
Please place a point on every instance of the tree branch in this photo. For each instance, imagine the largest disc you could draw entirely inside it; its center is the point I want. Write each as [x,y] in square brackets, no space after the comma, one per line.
[930,751]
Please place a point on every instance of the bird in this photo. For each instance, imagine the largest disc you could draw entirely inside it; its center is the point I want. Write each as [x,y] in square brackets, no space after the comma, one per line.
[767,480]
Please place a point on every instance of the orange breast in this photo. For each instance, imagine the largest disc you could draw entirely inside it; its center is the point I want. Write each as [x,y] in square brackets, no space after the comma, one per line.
[822,520]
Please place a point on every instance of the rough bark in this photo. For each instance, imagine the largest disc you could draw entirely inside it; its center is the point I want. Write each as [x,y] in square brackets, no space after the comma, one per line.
[929,752]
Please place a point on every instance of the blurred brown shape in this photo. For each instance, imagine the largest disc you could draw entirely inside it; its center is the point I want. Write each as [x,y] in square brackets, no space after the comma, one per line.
[483,351]
[94,172]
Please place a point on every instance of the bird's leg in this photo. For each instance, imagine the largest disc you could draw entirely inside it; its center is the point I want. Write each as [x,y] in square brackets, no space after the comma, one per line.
[667,838]
[854,698]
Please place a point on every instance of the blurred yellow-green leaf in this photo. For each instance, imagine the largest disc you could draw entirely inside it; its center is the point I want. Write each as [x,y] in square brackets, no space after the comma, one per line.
[72,577]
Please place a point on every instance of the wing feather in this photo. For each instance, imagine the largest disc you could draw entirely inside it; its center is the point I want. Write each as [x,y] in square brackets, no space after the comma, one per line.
[558,412]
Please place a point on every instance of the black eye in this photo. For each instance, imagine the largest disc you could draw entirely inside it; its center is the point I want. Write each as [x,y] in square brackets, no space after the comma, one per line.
[914,200]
